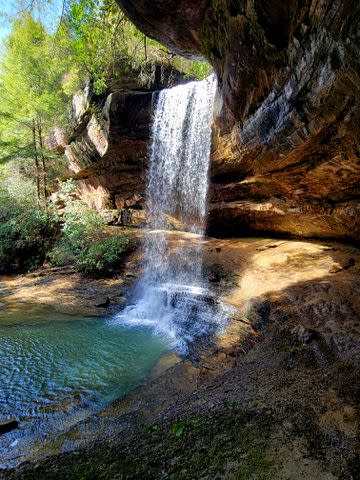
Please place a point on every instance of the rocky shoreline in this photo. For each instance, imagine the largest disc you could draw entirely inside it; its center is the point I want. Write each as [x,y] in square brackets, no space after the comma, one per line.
[229,410]
[65,291]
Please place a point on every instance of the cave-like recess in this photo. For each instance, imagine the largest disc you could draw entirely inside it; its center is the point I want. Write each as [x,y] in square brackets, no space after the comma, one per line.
[286,149]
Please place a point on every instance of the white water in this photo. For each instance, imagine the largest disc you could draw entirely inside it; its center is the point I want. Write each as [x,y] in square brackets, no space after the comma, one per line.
[170,296]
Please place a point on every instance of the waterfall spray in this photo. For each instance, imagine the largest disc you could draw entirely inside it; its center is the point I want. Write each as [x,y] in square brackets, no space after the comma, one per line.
[171,296]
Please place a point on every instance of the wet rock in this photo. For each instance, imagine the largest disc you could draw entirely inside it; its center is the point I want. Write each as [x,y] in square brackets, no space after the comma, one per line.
[102,302]
[344,265]
[133,217]
[8,425]
[305,335]
[118,299]
[348,263]
[335,268]
[214,277]
[130,275]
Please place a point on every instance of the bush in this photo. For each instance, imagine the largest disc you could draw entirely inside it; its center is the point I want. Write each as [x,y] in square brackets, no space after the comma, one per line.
[30,234]
[103,256]
[80,226]
[83,242]
[26,233]
[26,229]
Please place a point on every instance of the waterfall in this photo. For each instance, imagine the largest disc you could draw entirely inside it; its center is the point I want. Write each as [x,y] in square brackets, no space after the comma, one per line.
[178,178]
[171,295]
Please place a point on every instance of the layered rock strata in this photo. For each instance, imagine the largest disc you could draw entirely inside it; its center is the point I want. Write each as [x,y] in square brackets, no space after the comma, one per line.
[108,147]
[286,153]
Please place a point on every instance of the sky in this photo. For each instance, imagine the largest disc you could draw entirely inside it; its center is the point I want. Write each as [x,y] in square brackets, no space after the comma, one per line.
[50,15]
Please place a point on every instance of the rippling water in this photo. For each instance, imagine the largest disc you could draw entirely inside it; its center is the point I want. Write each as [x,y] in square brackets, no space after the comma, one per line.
[52,365]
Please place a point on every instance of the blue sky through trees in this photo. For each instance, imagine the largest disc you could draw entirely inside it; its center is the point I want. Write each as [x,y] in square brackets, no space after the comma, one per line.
[49,13]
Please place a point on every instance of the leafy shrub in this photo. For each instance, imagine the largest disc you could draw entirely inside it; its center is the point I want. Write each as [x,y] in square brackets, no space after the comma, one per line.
[103,256]
[80,226]
[26,233]
[29,235]
[83,243]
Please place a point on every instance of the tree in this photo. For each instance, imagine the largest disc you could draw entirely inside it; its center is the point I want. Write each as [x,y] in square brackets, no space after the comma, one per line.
[39,71]
[32,99]
[106,44]
[103,40]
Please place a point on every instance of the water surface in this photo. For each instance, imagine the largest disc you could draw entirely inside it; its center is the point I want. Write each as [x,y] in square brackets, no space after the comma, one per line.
[54,366]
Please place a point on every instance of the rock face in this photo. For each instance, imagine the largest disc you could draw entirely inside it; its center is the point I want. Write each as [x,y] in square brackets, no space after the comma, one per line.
[286,153]
[109,145]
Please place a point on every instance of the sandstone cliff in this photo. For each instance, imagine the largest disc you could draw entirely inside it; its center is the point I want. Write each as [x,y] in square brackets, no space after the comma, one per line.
[286,153]
[108,148]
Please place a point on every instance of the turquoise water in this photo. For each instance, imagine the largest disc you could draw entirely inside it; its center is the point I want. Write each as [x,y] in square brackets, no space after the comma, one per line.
[54,365]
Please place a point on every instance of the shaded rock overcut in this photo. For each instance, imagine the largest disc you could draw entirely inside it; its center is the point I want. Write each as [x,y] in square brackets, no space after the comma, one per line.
[286,152]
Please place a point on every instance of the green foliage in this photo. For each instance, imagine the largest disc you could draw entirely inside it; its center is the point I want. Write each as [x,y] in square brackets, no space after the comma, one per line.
[102,256]
[25,235]
[83,242]
[32,71]
[153,428]
[198,69]
[102,40]
[17,184]
[26,230]
[80,226]
[32,100]
[180,427]
[105,45]
[228,444]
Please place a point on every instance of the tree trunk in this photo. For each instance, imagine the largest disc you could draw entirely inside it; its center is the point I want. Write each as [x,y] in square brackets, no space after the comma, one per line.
[43,163]
[37,166]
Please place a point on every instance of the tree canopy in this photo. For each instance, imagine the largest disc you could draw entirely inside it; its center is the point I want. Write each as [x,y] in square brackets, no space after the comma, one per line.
[42,67]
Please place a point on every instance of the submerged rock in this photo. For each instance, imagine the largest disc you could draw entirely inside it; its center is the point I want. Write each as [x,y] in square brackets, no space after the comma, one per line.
[8,425]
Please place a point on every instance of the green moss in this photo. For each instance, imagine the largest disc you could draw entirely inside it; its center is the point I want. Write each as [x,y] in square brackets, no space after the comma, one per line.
[215,31]
[228,444]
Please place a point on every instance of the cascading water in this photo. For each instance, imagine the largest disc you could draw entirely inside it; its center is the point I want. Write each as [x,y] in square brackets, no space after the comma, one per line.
[178,176]
[171,296]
